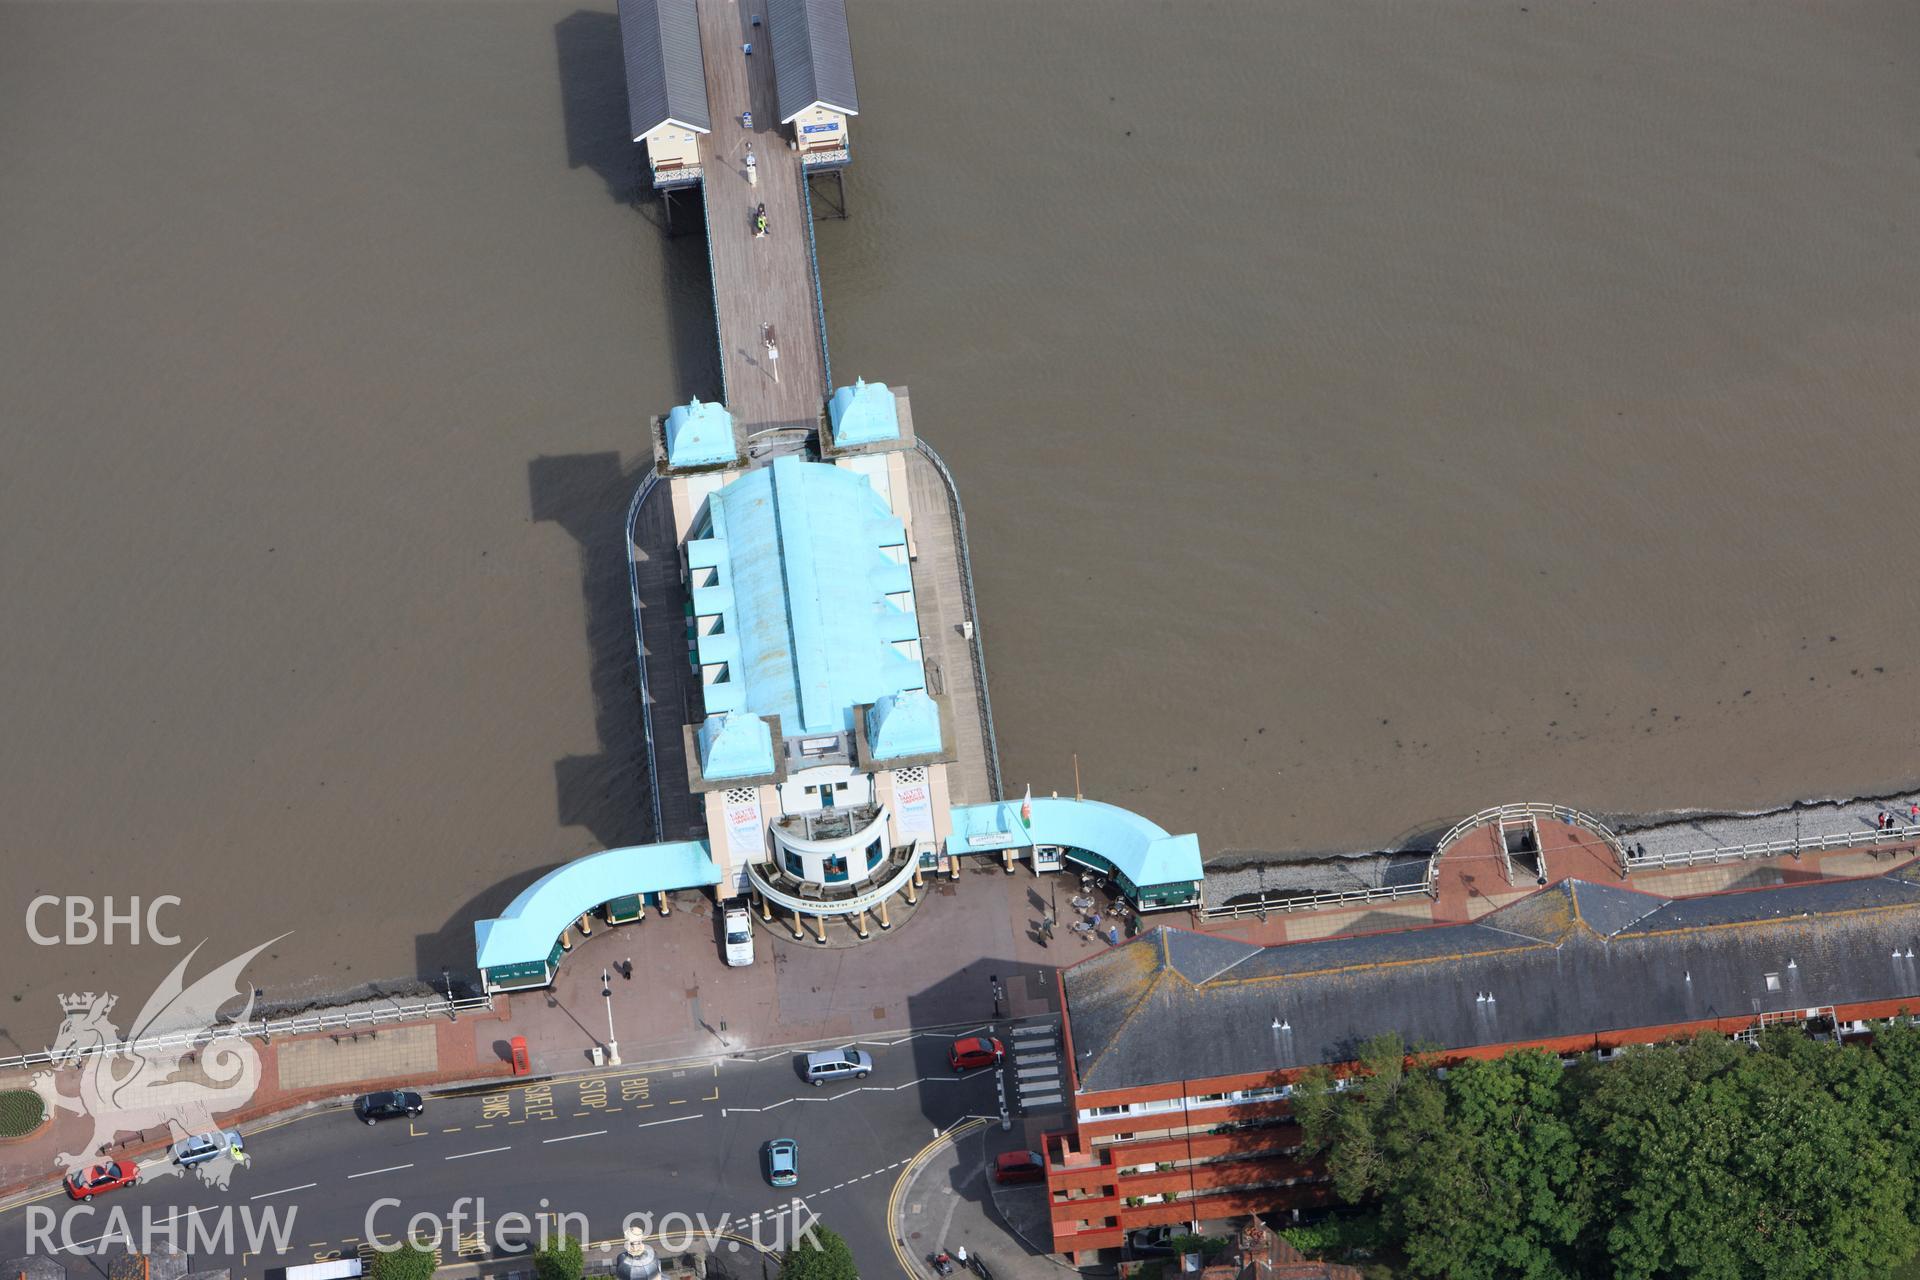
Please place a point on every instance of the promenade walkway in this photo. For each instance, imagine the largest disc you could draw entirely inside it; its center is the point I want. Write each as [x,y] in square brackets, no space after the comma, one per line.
[757,280]
[297,1072]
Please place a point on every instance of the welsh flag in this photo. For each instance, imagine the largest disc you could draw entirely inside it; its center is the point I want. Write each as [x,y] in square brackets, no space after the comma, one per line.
[1026,809]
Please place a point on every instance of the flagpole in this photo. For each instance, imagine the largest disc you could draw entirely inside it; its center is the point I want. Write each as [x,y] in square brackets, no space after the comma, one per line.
[1076,777]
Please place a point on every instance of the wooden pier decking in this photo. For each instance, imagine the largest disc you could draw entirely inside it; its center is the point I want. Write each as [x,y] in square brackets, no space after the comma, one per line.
[757,281]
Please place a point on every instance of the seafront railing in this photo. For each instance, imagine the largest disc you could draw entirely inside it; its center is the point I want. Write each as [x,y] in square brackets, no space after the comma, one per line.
[257,1028]
[1264,904]
[975,644]
[1529,809]
[1638,861]
[640,646]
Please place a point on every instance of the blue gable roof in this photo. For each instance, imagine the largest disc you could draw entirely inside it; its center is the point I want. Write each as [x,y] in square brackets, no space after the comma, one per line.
[699,435]
[794,559]
[905,724]
[864,413]
[735,746]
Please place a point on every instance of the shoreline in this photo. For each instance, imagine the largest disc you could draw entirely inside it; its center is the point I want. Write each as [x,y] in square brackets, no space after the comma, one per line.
[1423,840]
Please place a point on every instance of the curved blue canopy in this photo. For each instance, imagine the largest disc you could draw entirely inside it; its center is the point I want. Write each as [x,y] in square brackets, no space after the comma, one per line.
[1140,849]
[525,932]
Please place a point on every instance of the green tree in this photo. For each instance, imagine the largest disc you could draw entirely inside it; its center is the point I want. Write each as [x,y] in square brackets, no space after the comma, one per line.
[560,1260]
[819,1254]
[1708,1159]
[1774,1165]
[408,1262]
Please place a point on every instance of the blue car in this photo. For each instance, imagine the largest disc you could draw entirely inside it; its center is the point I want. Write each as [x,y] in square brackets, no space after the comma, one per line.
[783,1162]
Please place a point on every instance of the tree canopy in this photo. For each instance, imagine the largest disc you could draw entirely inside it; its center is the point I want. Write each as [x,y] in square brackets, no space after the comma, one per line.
[1714,1159]
[408,1262]
[562,1259]
[819,1254]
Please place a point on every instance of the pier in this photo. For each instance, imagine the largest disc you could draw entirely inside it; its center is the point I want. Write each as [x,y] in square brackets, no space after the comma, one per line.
[758,281]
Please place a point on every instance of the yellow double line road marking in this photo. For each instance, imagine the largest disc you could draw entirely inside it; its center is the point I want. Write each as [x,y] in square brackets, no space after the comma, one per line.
[906,1175]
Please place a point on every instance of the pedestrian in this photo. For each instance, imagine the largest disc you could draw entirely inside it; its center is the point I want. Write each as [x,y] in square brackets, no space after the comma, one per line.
[1913,812]
[626,969]
[1882,824]
[1113,935]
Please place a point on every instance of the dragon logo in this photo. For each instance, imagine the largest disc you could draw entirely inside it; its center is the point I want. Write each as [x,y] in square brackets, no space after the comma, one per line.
[176,1068]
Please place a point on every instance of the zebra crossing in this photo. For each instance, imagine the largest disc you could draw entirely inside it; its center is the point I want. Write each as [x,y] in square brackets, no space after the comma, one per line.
[1037,1080]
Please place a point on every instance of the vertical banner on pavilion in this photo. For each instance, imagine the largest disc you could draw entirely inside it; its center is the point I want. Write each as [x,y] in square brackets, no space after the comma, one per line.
[745,839]
[913,810]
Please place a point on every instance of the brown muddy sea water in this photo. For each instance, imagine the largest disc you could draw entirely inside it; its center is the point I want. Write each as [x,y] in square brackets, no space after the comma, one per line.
[1365,413]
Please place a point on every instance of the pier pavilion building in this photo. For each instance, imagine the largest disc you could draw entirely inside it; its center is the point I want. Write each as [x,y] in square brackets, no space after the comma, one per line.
[821,755]
[812,685]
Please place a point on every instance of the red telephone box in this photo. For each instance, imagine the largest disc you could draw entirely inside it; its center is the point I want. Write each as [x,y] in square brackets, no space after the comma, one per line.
[522,1063]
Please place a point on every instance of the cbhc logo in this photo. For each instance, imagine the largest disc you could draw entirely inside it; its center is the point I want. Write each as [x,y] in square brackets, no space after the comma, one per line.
[82,929]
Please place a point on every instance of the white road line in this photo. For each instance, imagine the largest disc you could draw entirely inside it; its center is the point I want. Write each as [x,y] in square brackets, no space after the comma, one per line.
[283,1191]
[571,1136]
[489,1151]
[674,1120]
[117,1234]
[368,1173]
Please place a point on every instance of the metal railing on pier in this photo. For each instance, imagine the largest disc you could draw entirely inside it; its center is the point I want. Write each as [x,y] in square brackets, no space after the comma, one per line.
[640,646]
[1638,861]
[975,644]
[259,1029]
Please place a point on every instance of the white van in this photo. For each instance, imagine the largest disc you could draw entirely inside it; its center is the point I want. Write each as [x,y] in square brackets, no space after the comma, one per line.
[737,922]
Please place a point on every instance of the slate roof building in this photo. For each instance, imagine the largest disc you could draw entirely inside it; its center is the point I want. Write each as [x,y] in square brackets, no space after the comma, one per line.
[813,76]
[666,86]
[1183,1046]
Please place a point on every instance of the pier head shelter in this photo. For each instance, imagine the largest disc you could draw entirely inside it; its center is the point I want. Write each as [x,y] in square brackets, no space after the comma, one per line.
[821,757]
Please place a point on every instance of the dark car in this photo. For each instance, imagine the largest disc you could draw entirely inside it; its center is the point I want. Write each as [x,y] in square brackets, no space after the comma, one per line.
[975,1051]
[1148,1240]
[1019,1166]
[113,1175]
[394,1104]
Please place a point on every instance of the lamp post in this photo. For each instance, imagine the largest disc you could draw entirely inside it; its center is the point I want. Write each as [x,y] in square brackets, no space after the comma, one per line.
[606,992]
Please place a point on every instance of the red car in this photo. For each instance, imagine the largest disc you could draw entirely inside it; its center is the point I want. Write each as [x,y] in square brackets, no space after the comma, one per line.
[975,1051]
[1019,1166]
[89,1183]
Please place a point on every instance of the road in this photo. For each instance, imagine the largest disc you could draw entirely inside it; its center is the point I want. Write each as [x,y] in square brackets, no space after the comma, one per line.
[682,1139]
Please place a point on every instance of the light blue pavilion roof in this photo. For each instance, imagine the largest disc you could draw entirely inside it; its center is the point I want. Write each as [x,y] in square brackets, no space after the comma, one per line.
[735,745]
[1142,850]
[699,435]
[903,724]
[863,413]
[801,579]
[525,932]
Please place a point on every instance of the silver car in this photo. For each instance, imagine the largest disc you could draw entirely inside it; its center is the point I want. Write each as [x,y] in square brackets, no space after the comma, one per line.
[836,1064]
[202,1147]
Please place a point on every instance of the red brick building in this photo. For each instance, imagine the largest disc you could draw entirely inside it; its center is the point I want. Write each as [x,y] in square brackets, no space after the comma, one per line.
[1182,1046]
